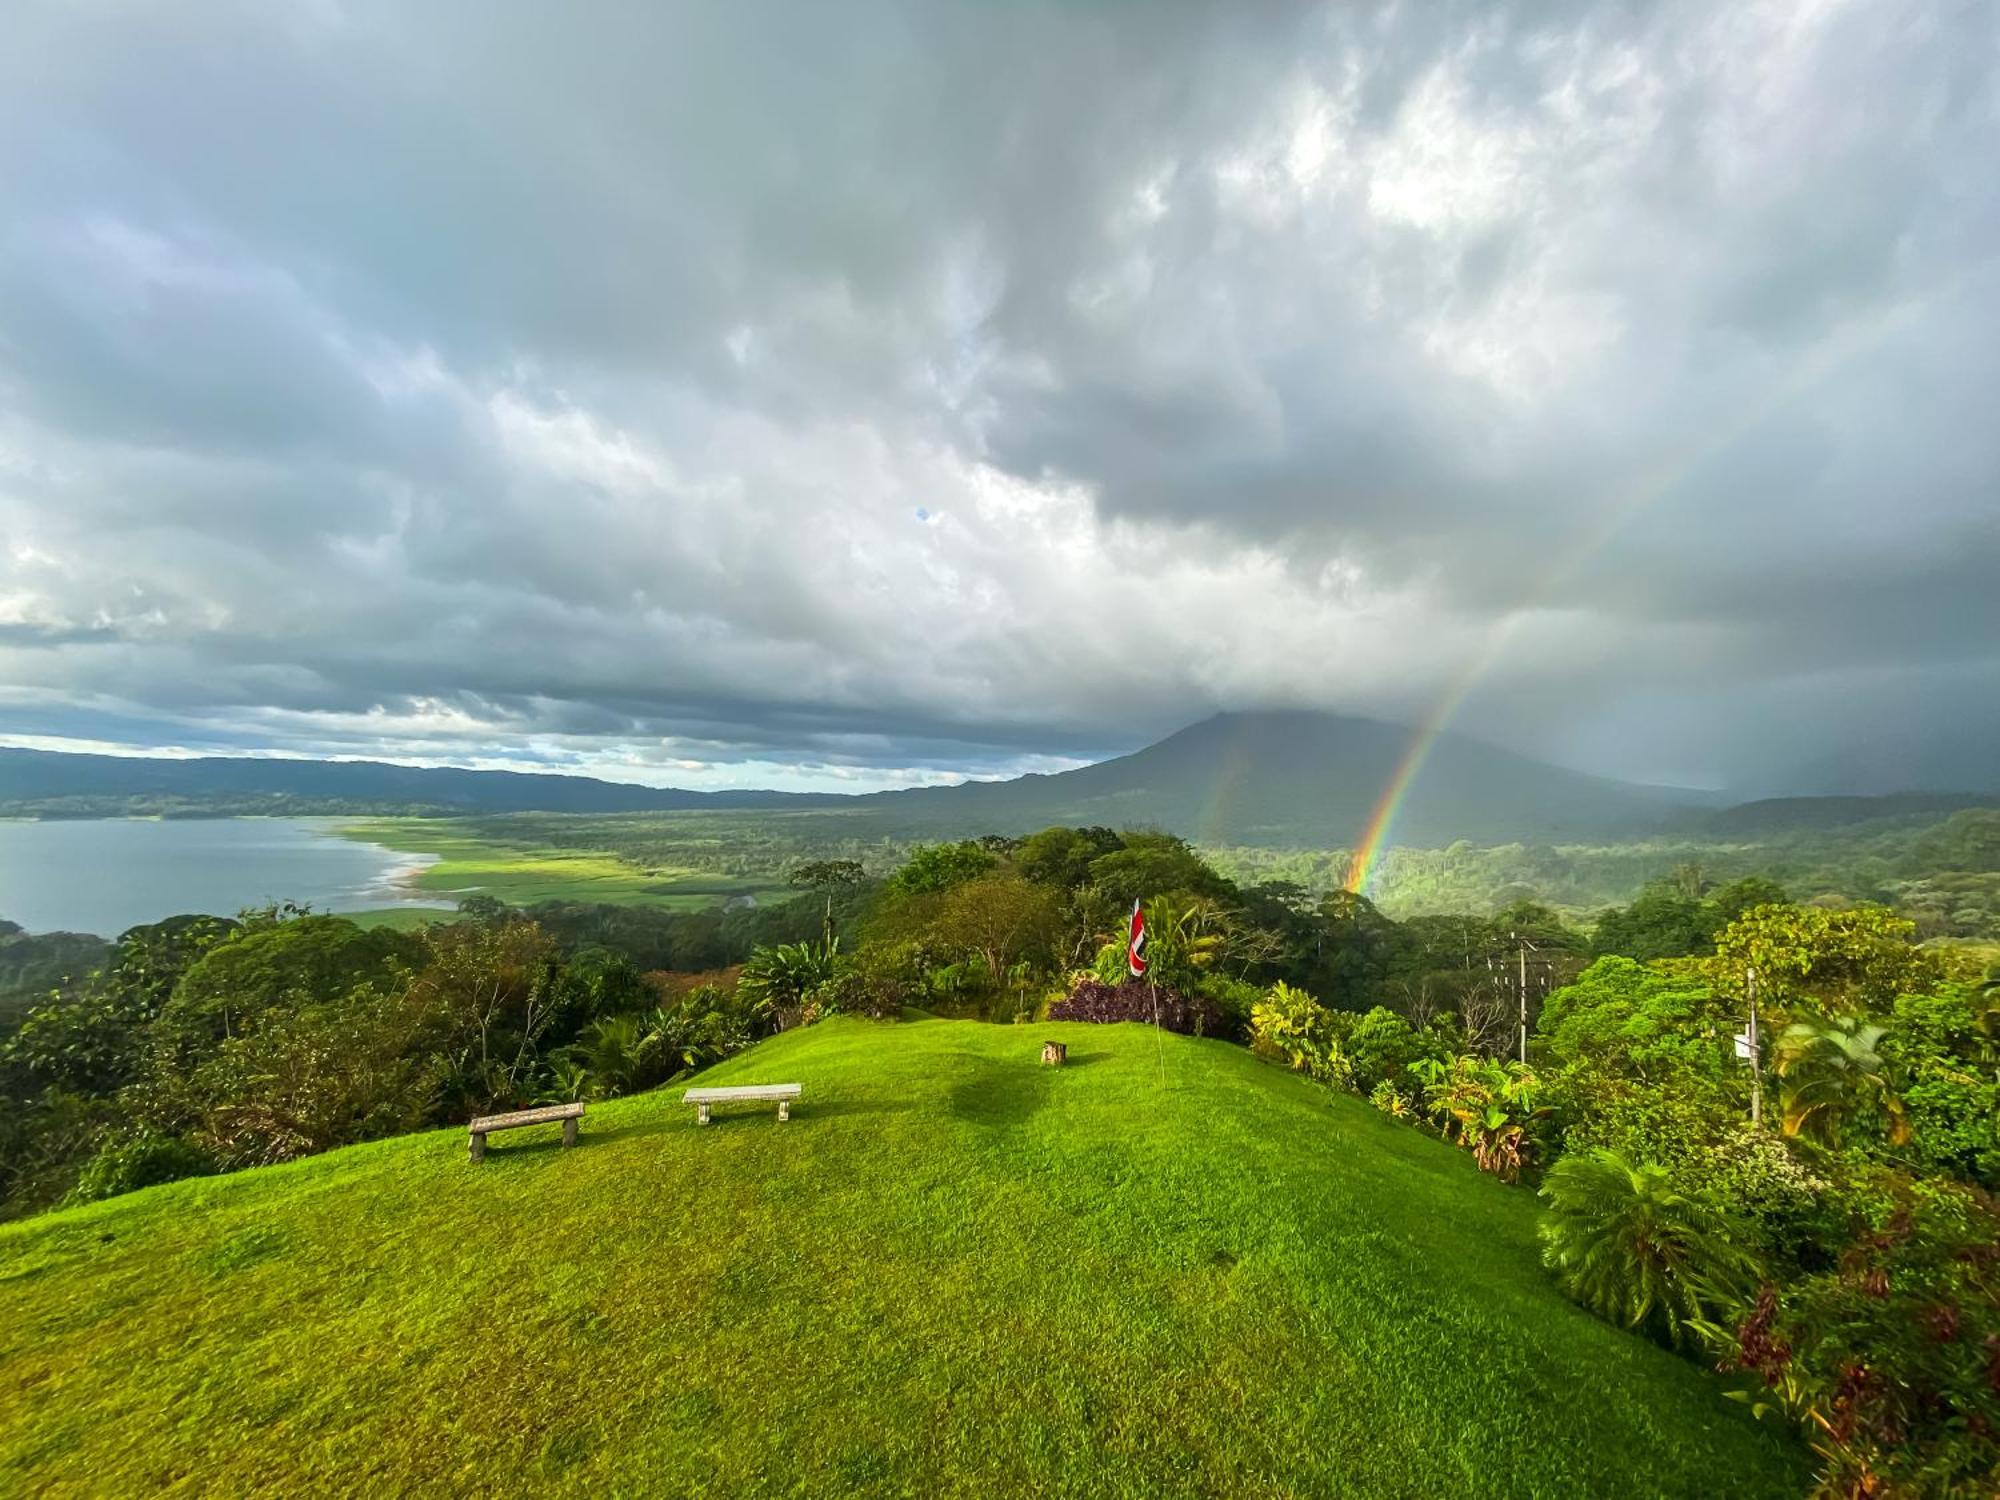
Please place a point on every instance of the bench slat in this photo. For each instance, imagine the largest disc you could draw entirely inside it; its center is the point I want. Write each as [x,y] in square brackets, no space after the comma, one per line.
[540,1116]
[754,1091]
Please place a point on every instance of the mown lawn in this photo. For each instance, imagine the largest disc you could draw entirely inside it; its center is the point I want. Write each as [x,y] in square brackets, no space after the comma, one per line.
[954,1272]
[523,874]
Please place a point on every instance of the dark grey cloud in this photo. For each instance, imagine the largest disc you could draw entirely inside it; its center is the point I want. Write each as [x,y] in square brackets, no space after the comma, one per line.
[873,391]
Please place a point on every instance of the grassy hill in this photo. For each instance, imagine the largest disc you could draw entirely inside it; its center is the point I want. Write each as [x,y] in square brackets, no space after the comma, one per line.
[954,1272]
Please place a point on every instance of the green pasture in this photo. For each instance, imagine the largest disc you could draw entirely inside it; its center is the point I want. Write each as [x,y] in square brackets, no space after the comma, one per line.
[523,873]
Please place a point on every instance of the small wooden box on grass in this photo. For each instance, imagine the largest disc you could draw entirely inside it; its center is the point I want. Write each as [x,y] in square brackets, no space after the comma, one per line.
[1053,1053]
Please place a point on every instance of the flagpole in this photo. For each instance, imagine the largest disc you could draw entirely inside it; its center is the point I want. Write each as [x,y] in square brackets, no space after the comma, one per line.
[1159,1045]
[1138,966]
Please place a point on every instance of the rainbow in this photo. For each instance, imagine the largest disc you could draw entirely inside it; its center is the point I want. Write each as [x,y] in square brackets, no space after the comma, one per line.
[1648,492]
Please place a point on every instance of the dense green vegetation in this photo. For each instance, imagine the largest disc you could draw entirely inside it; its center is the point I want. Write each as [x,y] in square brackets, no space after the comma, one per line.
[34,964]
[1942,872]
[1820,1226]
[1164,1269]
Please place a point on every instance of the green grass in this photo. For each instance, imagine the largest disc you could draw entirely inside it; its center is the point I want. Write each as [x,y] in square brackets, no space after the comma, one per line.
[523,872]
[954,1272]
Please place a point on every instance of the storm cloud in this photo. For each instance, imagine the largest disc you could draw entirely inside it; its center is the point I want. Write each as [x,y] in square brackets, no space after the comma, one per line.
[864,394]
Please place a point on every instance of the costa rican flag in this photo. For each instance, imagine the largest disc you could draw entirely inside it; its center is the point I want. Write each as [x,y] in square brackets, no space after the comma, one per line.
[1135,944]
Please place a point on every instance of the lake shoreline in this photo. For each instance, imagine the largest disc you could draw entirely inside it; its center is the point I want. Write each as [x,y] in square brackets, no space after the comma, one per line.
[103,876]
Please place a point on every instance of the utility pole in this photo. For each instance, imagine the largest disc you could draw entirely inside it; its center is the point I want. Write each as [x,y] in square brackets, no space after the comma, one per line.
[1756,1070]
[1524,1002]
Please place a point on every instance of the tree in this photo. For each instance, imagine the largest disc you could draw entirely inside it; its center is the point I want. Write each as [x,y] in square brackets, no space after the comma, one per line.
[484,910]
[1354,945]
[939,867]
[1632,1249]
[1152,864]
[1834,1074]
[272,962]
[309,1078]
[825,876]
[1739,896]
[491,997]
[1062,857]
[1660,924]
[1856,958]
[779,980]
[1001,918]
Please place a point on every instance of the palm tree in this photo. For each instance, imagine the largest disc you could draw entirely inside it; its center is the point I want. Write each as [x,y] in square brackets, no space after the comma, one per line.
[1630,1248]
[779,980]
[568,1081]
[1833,1073]
[610,1052]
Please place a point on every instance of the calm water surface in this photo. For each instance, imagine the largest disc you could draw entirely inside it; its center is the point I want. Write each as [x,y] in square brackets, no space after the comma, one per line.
[105,875]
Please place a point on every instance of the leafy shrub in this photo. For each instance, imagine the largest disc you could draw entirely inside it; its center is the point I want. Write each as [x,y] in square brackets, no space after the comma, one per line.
[319,1076]
[1634,1250]
[702,1027]
[1234,1000]
[1091,999]
[1492,1109]
[1757,1179]
[1391,1100]
[865,987]
[124,1166]
[1889,1357]
[1289,1024]
[781,981]
[1381,1045]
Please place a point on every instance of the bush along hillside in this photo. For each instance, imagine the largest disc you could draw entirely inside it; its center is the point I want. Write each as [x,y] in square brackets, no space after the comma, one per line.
[1815,1234]
[1165,1268]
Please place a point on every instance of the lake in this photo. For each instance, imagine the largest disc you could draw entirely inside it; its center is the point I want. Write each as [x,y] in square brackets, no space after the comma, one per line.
[104,875]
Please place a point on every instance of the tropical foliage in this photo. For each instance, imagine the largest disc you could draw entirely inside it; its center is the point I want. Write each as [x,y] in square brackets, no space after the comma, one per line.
[1631,1247]
[1817,1217]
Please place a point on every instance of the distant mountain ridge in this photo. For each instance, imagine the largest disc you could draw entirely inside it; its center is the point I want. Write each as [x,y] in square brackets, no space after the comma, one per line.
[1280,778]
[1301,778]
[45,780]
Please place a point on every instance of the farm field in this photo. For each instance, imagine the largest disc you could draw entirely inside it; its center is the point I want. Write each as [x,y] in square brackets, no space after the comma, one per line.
[522,870]
[1166,1268]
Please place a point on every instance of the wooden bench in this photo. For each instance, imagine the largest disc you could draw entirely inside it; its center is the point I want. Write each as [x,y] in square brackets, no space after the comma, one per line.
[569,1114]
[784,1093]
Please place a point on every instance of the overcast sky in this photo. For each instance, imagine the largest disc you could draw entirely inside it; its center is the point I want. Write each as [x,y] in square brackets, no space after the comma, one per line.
[857,394]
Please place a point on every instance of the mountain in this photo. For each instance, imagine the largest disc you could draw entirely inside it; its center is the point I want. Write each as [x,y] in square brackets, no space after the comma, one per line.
[1277,778]
[1292,777]
[1776,815]
[1166,1268]
[1895,760]
[53,782]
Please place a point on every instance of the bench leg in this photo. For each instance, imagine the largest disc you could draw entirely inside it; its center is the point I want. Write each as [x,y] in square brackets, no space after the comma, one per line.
[784,1109]
[702,1117]
[478,1147]
[569,1131]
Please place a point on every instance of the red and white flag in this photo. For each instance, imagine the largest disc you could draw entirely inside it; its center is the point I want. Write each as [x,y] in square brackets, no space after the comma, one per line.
[1135,944]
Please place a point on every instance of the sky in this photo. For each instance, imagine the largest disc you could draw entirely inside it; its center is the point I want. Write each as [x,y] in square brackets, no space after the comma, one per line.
[863,395]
